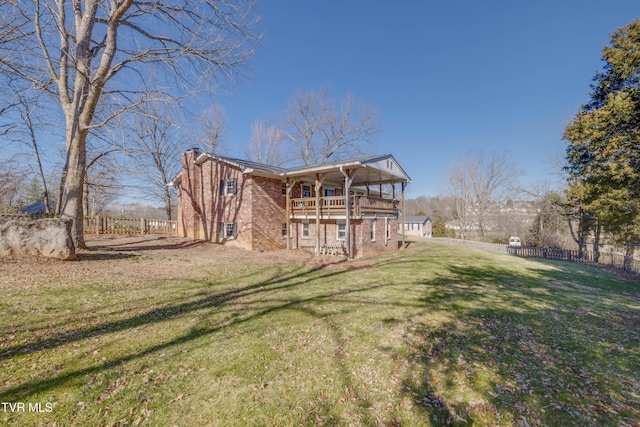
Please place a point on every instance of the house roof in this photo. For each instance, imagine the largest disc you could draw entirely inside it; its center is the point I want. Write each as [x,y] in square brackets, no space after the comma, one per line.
[245,166]
[421,219]
[372,170]
[379,169]
[33,208]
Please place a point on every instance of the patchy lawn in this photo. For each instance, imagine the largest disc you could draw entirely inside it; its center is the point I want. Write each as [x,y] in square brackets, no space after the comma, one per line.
[169,332]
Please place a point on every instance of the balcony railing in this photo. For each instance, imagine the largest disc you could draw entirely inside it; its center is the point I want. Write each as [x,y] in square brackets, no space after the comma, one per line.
[334,206]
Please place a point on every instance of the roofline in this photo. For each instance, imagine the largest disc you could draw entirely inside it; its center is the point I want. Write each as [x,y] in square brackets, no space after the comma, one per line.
[249,167]
[363,162]
[176,181]
[245,166]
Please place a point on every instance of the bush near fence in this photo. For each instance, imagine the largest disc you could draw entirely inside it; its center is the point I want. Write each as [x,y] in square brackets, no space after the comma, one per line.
[107,224]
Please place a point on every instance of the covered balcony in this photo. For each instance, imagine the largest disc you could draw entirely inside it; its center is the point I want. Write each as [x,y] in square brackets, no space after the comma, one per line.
[360,206]
[347,190]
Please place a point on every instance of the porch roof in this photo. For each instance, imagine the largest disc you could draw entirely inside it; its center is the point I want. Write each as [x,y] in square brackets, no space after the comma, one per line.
[373,170]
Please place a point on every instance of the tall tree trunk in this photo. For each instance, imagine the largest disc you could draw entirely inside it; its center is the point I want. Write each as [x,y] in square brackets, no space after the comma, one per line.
[73,188]
[167,202]
[596,242]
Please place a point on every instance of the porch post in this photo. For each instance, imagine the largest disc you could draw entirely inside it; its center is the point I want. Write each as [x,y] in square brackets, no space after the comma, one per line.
[386,230]
[317,188]
[287,212]
[404,233]
[347,236]
[348,179]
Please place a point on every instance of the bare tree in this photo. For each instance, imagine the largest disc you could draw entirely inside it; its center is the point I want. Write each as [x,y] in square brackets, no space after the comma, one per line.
[318,129]
[210,128]
[266,144]
[460,210]
[102,179]
[12,185]
[26,132]
[478,183]
[82,52]
[421,205]
[156,148]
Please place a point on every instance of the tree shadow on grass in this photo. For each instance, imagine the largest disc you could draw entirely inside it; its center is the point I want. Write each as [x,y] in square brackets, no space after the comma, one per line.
[506,339]
[104,256]
[522,350]
[145,244]
[204,300]
[246,303]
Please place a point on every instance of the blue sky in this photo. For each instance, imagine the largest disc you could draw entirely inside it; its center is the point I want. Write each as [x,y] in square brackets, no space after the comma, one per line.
[445,77]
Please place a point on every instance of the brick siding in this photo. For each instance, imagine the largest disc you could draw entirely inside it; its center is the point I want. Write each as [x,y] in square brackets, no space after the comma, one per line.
[258,209]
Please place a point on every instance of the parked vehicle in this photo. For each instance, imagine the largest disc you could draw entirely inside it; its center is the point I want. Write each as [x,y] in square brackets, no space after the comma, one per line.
[514,241]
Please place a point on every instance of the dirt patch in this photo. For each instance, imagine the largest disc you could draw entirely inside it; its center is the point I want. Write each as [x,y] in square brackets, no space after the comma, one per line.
[148,257]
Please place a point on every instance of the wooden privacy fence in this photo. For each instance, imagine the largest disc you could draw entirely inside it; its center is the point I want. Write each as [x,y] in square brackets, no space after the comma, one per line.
[128,225]
[108,224]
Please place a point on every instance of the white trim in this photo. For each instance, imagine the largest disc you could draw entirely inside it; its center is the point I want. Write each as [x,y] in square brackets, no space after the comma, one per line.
[338,224]
[372,229]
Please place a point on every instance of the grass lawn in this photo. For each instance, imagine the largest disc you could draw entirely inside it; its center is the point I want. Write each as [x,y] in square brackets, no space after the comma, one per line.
[430,335]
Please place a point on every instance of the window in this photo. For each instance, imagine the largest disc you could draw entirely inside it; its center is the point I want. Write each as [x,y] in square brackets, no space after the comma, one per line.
[306,191]
[305,230]
[228,230]
[284,229]
[372,230]
[228,187]
[329,192]
[284,188]
[231,187]
[341,231]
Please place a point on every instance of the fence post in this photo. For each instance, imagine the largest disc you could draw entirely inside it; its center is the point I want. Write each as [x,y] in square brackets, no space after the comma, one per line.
[143,223]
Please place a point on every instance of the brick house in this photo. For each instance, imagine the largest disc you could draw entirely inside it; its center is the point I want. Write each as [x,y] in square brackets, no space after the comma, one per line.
[261,207]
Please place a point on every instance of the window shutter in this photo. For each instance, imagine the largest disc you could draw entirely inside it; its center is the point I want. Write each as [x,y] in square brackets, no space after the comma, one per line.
[235,186]
[222,228]
[235,230]
[222,187]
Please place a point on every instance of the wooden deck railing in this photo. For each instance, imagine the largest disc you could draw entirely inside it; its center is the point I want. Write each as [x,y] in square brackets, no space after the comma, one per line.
[107,224]
[335,206]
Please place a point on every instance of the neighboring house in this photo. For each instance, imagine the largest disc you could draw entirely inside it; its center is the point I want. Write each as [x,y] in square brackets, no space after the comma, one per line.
[418,226]
[336,207]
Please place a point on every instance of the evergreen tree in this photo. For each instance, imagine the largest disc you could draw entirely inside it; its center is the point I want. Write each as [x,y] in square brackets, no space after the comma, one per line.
[603,156]
[34,191]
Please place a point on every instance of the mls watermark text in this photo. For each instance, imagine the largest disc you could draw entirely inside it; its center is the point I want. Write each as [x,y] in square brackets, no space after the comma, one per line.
[42,407]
